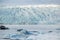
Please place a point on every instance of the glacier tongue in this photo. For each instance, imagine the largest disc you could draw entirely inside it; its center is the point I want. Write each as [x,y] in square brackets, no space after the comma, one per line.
[32,15]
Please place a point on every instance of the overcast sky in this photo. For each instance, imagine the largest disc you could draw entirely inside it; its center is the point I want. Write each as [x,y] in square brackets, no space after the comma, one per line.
[28,2]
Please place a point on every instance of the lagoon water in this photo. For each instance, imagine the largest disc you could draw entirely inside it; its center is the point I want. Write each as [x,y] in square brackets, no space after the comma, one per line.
[43,32]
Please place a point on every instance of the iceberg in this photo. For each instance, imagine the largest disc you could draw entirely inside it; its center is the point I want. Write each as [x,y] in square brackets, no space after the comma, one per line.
[21,34]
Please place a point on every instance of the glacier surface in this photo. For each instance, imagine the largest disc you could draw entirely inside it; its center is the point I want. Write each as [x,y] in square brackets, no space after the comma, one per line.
[30,15]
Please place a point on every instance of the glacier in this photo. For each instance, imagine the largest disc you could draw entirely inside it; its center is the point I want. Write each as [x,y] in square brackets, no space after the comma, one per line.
[30,15]
[25,23]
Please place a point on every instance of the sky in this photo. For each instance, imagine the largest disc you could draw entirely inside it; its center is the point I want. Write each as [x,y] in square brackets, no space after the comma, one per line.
[28,2]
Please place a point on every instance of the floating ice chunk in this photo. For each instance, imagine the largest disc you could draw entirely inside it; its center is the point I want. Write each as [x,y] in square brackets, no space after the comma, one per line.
[58,29]
[21,34]
[28,32]
[3,28]
[50,31]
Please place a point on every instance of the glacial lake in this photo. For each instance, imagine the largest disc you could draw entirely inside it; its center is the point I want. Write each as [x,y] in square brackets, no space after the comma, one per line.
[42,32]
